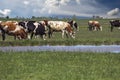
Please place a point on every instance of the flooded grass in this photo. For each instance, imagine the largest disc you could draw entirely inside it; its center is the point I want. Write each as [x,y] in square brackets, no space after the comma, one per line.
[59,66]
[76,48]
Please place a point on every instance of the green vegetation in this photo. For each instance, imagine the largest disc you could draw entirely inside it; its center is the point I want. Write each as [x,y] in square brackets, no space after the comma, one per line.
[59,66]
[63,65]
[83,36]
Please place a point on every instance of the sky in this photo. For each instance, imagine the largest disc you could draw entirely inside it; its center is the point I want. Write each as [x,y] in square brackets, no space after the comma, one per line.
[39,8]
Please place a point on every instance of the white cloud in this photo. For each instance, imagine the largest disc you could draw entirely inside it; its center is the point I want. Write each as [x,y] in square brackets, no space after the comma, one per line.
[113,12]
[5,12]
[28,8]
[64,2]
[52,3]
[26,2]
[78,1]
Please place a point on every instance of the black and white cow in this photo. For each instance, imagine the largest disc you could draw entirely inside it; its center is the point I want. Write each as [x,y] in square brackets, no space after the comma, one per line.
[73,24]
[33,28]
[114,23]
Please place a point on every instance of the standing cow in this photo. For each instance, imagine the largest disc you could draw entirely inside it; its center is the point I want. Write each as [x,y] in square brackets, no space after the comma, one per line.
[33,28]
[13,29]
[114,23]
[94,25]
[59,26]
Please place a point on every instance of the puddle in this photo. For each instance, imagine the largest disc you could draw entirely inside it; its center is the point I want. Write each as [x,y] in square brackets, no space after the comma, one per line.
[77,48]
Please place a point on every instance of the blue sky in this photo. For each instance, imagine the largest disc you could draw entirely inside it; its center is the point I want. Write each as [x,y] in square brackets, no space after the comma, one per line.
[84,8]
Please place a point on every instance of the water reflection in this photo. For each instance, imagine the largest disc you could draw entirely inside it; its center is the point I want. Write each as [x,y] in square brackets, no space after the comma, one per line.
[77,48]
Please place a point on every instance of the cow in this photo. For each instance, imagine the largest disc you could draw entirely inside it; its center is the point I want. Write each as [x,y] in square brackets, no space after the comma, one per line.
[114,23]
[94,25]
[73,24]
[59,26]
[11,28]
[33,28]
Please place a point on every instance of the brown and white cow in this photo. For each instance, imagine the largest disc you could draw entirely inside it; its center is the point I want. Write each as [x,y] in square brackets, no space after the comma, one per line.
[11,28]
[59,26]
[94,25]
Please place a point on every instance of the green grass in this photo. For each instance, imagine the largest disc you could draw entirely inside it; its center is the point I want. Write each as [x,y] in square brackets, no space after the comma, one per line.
[83,36]
[59,66]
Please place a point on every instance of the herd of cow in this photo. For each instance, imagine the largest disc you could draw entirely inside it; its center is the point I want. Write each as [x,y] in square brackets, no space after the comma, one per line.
[26,29]
[45,28]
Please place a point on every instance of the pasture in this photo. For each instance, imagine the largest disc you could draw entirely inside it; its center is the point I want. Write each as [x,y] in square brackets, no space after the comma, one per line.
[63,65]
[59,66]
[83,36]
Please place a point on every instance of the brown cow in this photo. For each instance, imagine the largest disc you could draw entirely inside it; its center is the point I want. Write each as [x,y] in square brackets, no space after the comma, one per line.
[94,25]
[11,28]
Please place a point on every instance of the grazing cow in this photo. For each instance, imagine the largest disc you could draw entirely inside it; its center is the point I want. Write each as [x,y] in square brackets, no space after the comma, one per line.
[33,28]
[59,26]
[12,29]
[114,23]
[94,25]
[73,24]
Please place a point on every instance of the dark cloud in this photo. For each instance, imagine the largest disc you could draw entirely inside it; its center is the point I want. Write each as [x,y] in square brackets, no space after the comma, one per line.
[109,3]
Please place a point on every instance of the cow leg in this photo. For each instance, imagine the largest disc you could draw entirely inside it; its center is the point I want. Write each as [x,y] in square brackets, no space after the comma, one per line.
[101,28]
[50,33]
[31,35]
[43,37]
[89,27]
[111,28]
[66,32]
[95,28]
[19,37]
[28,36]
[3,35]
[63,32]
[14,37]
[72,35]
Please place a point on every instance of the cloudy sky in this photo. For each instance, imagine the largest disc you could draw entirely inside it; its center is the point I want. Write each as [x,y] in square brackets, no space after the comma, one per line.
[84,8]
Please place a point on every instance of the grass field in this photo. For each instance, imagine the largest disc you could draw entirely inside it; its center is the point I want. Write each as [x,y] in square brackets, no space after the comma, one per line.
[63,65]
[59,66]
[83,36]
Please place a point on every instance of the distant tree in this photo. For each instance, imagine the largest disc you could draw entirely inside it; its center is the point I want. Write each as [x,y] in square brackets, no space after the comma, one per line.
[33,17]
[74,17]
[7,17]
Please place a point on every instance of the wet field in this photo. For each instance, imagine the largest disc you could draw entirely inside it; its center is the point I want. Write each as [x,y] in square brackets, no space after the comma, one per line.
[77,48]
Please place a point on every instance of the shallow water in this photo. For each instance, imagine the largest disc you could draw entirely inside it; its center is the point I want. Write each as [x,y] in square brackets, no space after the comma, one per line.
[77,48]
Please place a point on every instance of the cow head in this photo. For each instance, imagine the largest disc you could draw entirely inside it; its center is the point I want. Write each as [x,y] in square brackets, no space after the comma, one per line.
[73,24]
[46,22]
[70,31]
